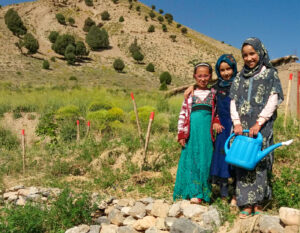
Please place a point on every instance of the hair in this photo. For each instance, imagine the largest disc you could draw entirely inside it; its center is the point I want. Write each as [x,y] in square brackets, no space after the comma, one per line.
[203,64]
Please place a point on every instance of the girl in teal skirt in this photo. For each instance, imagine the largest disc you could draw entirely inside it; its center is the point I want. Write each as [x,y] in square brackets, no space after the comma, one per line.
[195,134]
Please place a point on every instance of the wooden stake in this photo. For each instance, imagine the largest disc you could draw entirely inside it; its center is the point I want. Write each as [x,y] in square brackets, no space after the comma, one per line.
[78,132]
[148,135]
[88,129]
[287,100]
[137,119]
[23,150]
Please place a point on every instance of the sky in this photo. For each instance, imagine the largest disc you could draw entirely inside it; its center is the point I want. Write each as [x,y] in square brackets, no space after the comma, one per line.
[275,22]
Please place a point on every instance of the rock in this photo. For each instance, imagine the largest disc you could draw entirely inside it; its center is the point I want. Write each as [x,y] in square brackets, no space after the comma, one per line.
[175,210]
[102,220]
[184,225]
[145,223]
[108,209]
[95,229]
[11,196]
[129,221]
[16,188]
[212,217]
[184,203]
[289,216]
[125,210]
[116,217]
[192,210]
[108,228]
[21,201]
[160,209]
[291,229]
[149,208]
[138,210]
[126,229]
[169,222]
[152,230]
[79,229]
[115,202]
[102,205]
[147,200]
[126,202]
[34,197]
[270,224]
[160,224]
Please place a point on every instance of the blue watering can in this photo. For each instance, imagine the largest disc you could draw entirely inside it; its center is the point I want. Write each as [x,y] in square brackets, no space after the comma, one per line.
[245,152]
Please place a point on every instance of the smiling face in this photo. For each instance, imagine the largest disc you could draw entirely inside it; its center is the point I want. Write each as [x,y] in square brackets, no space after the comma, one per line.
[250,56]
[225,70]
[202,77]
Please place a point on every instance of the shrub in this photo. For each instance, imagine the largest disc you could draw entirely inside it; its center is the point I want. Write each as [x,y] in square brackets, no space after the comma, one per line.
[150,67]
[143,113]
[105,15]
[62,42]
[130,6]
[89,2]
[67,112]
[169,18]
[151,28]
[119,65]
[146,18]
[70,54]
[8,140]
[88,23]
[115,114]
[184,30]
[73,78]
[97,38]
[138,8]
[53,36]
[98,105]
[160,11]
[121,19]
[151,14]
[164,28]
[47,126]
[71,21]
[163,87]
[14,22]
[173,38]
[115,1]
[134,47]
[61,18]
[178,25]
[80,49]
[99,118]
[166,78]
[30,43]
[46,65]
[160,18]
[138,56]
[153,7]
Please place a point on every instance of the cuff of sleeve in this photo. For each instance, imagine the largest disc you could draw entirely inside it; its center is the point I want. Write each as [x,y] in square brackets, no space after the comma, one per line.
[261,120]
[181,135]
[236,122]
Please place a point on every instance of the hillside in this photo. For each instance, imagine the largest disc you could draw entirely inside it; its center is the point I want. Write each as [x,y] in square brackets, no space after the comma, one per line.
[158,48]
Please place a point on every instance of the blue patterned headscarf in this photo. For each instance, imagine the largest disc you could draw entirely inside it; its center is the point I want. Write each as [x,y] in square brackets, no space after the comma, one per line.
[229,59]
[264,59]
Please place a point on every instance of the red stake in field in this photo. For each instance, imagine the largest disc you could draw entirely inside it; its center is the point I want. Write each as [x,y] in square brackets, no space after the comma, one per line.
[78,132]
[137,119]
[23,149]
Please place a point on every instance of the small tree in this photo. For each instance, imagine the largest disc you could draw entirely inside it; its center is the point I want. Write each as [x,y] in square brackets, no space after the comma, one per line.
[173,38]
[146,18]
[165,77]
[89,2]
[153,7]
[134,47]
[150,67]
[14,22]
[97,38]
[46,65]
[105,15]
[70,54]
[80,49]
[138,8]
[151,28]
[184,30]
[121,19]
[169,18]
[164,28]
[138,56]
[62,42]
[160,19]
[163,87]
[53,36]
[119,65]
[160,11]
[61,18]
[88,23]
[151,14]
[71,21]
[30,43]
[178,25]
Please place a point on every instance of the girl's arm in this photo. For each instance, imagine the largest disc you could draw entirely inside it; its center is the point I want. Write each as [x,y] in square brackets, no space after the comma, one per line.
[237,126]
[188,91]
[182,121]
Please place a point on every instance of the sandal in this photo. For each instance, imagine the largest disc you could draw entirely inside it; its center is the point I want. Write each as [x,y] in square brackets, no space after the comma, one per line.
[196,200]
[258,210]
[245,214]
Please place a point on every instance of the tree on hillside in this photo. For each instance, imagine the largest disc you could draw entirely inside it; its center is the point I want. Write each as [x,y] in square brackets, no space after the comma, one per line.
[71,21]
[105,15]
[134,47]
[151,28]
[89,2]
[46,65]
[153,7]
[150,67]
[97,38]
[164,28]
[30,43]
[80,49]
[138,56]
[178,25]
[70,54]
[184,30]
[121,19]
[169,18]
[151,14]
[160,19]
[165,77]
[160,11]
[115,1]
[173,38]
[61,18]
[53,36]
[138,8]
[88,23]
[62,42]
[14,23]
[119,65]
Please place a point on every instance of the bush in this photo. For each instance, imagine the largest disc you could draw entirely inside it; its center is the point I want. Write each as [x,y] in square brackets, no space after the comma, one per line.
[151,28]
[14,22]
[53,36]
[80,49]
[169,18]
[143,113]
[146,18]
[178,25]
[150,67]
[138,56]
[166,78]
[115,114]
[30,43]
[153,7]
[119,65]
[160,11]
[73,78]
[160,19]
[88,23]
[8,140]
[47,126]
[163,87]
[184,30]
[52,59]
[46,65]
[164,28]
[138,8]
[70,54]
[173,38]
[151,14]
[99,118]
[105,15]
[62,42]
[115,1]
[97,38]
[61,18]
[99,105]
[121,19]
[71,21]
[67,112]
[134,47]
[89,2]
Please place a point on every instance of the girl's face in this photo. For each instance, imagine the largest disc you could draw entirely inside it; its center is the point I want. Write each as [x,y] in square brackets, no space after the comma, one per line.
[250,56]
[225,70]
[202,77]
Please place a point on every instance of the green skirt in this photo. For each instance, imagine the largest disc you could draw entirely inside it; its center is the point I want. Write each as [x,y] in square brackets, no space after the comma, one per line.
[194,164]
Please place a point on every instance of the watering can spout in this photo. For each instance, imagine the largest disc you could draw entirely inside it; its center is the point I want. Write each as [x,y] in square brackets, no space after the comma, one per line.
[266,151]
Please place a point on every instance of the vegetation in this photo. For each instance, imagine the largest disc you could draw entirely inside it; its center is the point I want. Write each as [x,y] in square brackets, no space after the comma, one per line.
[184,30]
[14,22]
[97,38]
[169,18]
[70,54]
[152,14]
[173,38]
[53,36]
[164,28]
[150,67]
[61,18]
[105,15]
[165,77]
[80,49]
[138,56]
[160,11]
[119,65]
[121,19]
[30,43]
[178,25]
[134,47]
[88,23]
[151,28]
[46,65]
[71,21]
[62,42]
[89,2]
[153,7]
[138,8]
[160,18]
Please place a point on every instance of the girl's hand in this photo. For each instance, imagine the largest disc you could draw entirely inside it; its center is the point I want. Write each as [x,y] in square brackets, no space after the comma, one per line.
[218,127]
[254,130]
[182,142]
[238,129]
[188,91]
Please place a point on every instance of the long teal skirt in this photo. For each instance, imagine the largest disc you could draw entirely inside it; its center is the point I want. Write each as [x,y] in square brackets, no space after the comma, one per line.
[194,164]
